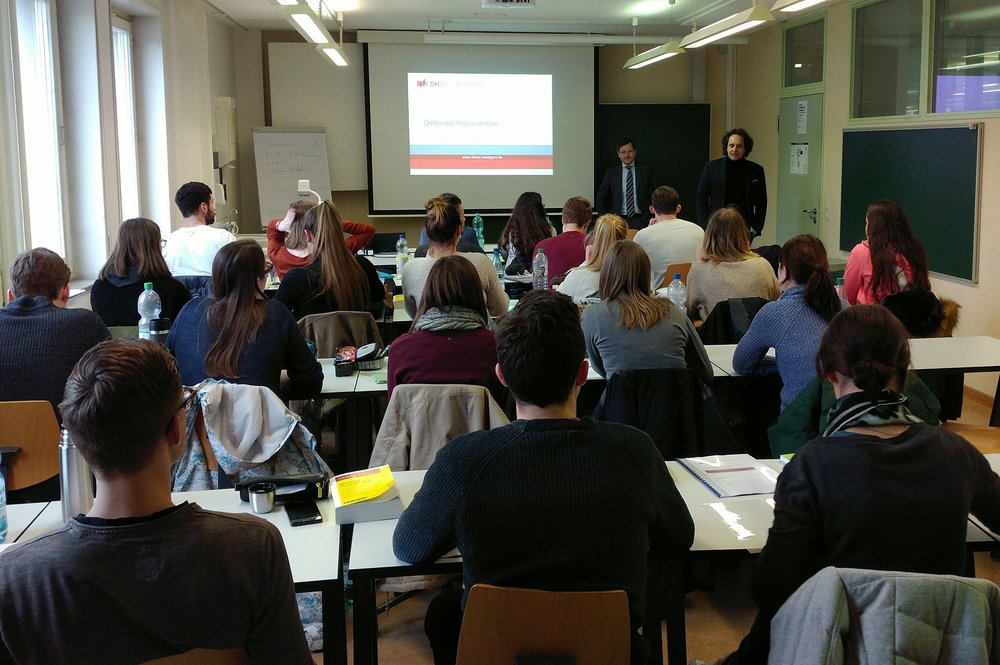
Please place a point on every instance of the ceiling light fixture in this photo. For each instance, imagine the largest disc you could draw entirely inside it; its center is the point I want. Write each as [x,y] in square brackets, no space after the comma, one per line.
[309,24]
[735,24]
[655,54]
[791,6]
[661,52]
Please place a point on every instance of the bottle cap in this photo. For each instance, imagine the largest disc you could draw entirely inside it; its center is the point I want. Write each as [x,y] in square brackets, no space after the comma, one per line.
[677,275]
[148,286]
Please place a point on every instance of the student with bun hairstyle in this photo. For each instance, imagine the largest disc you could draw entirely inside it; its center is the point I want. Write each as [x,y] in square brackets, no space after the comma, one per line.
[878,489]
[444,227]
[337,279]
[238,334]
[794,323]
[449,341]
[889,260]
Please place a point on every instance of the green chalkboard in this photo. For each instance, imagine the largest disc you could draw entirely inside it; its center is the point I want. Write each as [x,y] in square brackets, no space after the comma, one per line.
[933,173]
[673,138]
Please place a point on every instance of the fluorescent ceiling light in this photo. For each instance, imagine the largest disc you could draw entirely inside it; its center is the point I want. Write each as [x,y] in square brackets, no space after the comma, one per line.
[286,3]
[735,24]
[795,5]
[515,38]
[334,53]
[310,27]
[661,52]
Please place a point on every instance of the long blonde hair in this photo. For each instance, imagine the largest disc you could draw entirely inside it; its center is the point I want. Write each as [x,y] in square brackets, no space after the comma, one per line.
[625,278]
[726,237]
[339,272]
[608,229]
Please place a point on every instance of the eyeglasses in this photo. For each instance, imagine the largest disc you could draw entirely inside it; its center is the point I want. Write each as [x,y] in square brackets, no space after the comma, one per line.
[163,243]
[188,399]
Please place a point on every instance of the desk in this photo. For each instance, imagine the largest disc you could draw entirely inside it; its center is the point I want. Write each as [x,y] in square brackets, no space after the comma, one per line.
[20,517]
[313,552]
[372,558]
[737,524]
[946,355]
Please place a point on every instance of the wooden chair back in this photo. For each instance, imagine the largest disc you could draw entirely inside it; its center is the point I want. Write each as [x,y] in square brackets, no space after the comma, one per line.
[32,427]
[502,623]
[630,234]
[682,268]
[235,656]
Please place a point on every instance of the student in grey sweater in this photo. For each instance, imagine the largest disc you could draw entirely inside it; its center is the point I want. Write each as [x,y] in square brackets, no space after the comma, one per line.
[631,329]
[794,323]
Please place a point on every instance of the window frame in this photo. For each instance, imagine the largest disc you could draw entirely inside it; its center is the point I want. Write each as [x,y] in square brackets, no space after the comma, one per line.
[926,91]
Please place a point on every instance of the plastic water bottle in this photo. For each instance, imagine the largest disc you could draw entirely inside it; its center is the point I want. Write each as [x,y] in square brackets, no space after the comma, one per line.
[76,483]
[402,253]
[477,226]
[497,262]
[3,509]
[149,309]
[540,271]
[677,292]
[840,289]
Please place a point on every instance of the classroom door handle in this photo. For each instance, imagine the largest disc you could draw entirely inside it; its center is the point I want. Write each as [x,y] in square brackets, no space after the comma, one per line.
[812,214]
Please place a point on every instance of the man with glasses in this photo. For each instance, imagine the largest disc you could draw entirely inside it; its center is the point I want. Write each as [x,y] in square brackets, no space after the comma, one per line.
[138,578]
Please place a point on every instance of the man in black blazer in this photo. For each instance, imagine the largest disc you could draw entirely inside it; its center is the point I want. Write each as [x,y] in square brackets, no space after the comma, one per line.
[734,180]
[617,180]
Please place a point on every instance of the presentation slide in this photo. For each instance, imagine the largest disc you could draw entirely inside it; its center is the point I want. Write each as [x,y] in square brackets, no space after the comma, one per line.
[476,124]
[485,122]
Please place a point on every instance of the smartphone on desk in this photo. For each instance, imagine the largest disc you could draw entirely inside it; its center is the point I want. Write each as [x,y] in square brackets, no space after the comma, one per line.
[303,512]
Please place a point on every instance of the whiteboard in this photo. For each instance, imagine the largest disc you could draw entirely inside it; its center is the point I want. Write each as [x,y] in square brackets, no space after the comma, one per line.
[284,156]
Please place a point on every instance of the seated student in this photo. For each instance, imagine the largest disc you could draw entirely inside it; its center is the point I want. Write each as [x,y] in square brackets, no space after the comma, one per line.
[290,244]
[444,226]
[448,341]
[631,329]
[40,338]
[495,494]
[135,260]
[138,578]
[582,282]
[528,225]
[879,489]
[891,259]
[190,250]
[467,242]
[336,279]
[794,323]
[668,240]
[726,268]
[566,250]
[238,334]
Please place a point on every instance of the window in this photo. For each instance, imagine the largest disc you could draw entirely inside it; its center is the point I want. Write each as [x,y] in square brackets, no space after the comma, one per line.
[887,58]
[128,160]
[39,118]
[804,54]
[966,75]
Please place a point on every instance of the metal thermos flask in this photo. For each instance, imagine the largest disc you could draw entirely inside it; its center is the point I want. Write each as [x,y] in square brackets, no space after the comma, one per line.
[76,483]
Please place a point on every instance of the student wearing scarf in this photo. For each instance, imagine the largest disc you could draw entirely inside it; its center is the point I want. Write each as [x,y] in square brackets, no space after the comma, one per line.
[879,489]
[448,341]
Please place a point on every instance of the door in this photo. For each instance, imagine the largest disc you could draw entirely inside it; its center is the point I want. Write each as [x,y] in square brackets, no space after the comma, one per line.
[800,159]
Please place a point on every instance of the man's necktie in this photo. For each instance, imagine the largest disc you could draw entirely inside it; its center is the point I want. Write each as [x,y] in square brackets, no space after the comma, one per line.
[629,192]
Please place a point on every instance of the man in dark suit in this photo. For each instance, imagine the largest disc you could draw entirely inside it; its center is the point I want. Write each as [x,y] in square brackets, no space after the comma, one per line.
[734,180]
[636,181]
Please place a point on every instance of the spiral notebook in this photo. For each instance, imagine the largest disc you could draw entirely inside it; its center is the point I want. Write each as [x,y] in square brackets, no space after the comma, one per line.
[732,475]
